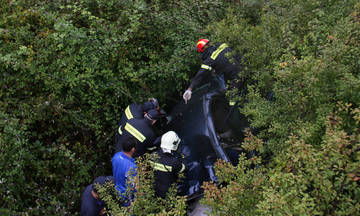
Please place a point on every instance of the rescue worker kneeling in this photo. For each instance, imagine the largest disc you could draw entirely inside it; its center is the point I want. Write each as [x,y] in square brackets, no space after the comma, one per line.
[167,163]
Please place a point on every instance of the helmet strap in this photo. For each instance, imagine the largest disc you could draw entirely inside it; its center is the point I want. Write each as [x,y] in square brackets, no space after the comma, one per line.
[165,150]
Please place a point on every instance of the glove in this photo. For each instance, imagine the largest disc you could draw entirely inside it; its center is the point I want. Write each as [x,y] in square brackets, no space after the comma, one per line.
[187,95]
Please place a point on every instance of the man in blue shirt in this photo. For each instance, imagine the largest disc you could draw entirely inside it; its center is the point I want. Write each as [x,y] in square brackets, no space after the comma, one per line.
[124,170]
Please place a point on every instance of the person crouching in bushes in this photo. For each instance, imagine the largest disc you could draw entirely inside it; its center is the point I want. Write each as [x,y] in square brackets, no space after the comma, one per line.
[167,164]
[91,204]
[125,170]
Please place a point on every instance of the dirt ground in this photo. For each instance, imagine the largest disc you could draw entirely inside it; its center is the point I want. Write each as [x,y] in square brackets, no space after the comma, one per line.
[195,209]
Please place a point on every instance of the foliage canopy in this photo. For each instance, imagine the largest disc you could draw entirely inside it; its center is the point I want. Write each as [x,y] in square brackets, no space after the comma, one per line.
[69,68]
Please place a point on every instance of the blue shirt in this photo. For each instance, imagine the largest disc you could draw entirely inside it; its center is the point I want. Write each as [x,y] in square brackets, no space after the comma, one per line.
[124,168]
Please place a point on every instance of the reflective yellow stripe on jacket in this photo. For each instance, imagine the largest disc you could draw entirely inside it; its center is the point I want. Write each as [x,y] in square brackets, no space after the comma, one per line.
[232,102]
[206,67]
[215,54]
[164,168]
[128,113]
[133,131]
[119,130]
[160,167]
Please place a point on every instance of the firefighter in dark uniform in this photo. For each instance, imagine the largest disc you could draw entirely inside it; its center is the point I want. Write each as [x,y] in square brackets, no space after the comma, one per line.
[214,58]
[142,130]
[167,164]
[136,110]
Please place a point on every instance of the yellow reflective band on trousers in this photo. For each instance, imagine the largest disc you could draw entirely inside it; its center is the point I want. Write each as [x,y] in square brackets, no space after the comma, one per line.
[133,131]
[128,113]
[119,130]
[215,54]
[206,67]
[160,167]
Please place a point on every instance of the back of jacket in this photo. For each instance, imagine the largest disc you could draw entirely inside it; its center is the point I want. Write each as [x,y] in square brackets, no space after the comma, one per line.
[218,58]
[140,129]
[166,167]
[134,110]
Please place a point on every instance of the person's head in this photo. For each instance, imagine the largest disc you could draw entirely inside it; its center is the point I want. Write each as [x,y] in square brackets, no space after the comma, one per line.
[170,141]
[202,44]
[152,103]
[100,181]
[129,145]
[152,115]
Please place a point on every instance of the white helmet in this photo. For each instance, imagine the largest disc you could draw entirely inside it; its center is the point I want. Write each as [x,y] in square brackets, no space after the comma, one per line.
[170,141]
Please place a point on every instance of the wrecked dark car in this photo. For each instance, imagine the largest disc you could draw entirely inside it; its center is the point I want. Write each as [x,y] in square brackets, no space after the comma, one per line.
[210,129]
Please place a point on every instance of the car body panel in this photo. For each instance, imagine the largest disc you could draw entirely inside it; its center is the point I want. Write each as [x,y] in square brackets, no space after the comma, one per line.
[194,123]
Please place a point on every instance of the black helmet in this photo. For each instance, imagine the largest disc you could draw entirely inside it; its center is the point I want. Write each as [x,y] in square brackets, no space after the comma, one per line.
[152,103]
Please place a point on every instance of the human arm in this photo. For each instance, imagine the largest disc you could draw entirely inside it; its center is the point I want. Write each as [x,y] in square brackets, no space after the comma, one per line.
[202,73]
[157,142]
[180,166]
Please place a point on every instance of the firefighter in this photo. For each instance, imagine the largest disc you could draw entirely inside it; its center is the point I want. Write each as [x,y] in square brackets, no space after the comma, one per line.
[167,163]
[142,130]
[214,57]
[136,110]
[91,204]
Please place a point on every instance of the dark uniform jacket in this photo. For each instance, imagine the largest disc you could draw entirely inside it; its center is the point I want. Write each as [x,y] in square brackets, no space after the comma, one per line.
[140,129]
[89,205]
[134,110]
[167,167]
[215,58]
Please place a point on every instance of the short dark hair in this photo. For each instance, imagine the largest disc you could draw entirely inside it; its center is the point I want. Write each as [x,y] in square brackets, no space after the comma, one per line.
[129,143]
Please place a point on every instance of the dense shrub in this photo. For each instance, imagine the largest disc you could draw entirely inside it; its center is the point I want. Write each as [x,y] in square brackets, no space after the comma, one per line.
[304,54]
[68,68]
[145,202]
[304,180]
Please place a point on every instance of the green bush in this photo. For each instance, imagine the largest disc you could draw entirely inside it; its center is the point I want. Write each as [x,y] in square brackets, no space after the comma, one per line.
[68,69]
[303,180]
[37,179]
[145,202]
[304,54]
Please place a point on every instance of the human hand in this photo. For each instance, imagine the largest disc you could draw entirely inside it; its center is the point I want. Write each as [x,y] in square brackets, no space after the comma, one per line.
[187,95]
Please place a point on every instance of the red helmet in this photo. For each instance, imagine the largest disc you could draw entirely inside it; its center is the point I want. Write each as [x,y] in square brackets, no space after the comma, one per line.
[200,46]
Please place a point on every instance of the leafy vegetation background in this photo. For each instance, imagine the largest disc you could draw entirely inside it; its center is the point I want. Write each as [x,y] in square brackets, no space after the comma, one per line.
[69,68]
